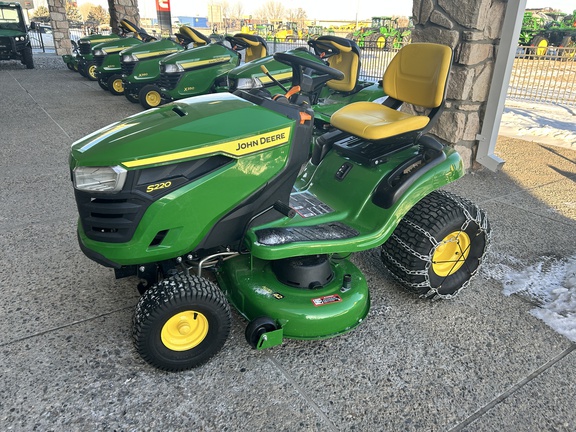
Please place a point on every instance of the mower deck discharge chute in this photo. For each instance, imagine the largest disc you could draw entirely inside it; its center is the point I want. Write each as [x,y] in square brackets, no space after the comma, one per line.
[216,200]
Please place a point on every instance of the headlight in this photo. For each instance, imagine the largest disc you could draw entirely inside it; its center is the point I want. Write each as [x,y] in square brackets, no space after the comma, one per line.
[128,58]
[99,52]
[99,179]
[173,68]
[249,83]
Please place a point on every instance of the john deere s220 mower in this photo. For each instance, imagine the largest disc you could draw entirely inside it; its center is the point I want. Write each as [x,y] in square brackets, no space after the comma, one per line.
[216,200]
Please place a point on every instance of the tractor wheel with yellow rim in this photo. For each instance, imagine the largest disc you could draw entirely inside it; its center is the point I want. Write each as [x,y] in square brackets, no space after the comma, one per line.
[181,322]
[115,85]
[150,96]
[438,246]
[90,71]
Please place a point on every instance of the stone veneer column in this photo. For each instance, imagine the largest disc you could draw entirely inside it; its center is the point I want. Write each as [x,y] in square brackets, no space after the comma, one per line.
[120,9]
[472,28]
[60,29]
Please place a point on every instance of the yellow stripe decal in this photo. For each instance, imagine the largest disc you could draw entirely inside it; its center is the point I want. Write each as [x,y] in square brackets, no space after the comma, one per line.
[154,53]
[264,79]
[114,49]
[198,63]
[239,147]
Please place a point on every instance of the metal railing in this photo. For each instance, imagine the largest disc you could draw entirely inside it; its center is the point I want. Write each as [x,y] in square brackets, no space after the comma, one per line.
[545,74]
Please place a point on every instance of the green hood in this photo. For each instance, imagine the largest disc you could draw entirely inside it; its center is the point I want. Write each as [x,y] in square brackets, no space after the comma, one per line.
[190,128]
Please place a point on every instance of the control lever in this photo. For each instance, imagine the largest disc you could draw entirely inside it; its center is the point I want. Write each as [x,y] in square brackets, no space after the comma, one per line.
[269,75]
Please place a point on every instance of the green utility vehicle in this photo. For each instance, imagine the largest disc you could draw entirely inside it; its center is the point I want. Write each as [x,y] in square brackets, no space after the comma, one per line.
[216,200]
[14,40]
[141,65]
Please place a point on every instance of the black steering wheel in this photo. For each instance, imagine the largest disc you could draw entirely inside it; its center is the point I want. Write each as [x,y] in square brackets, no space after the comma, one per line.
[299,63]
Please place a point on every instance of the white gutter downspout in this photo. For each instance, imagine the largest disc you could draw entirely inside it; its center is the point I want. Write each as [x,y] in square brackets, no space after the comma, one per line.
[500,79]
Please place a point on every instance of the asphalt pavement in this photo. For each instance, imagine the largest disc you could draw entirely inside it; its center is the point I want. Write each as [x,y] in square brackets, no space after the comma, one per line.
[480,362]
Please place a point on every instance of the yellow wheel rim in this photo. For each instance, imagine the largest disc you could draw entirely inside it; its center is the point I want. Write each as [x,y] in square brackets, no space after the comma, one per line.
[381,42]
[118,86]
[92,71]
[542,47]
[153,98]
[451,254]
[184,331]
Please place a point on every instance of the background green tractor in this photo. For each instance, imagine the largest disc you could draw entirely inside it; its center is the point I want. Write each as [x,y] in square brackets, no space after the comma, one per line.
[140,65]
[14,40]
[541,30]
[383,33]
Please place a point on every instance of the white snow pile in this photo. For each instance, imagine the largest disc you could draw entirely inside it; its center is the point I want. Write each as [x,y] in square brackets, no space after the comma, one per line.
[553,124]
[551,284]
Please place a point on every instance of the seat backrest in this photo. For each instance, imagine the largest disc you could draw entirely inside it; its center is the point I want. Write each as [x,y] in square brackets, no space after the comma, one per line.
[418,74]
[195,36]
[256,46]
[346,60]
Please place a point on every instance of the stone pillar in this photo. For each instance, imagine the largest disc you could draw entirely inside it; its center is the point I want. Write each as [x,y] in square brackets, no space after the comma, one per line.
[60,28]
[472,28]
[120,9]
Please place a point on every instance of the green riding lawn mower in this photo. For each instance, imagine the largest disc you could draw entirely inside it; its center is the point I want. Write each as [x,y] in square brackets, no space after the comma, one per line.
[237,199]
[140,64]
[199,71]
[83,59]
[106,68]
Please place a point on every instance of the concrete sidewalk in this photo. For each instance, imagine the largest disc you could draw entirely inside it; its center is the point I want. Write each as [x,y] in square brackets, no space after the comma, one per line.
[479,362]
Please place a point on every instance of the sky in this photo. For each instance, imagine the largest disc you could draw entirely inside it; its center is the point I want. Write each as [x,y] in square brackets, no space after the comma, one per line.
[345,10]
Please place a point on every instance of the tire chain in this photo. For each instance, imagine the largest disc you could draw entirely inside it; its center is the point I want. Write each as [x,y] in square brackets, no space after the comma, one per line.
[433,293]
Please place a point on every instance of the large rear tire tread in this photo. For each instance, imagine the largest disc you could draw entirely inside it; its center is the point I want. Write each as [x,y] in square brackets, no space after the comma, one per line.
[408,253]
[174,295]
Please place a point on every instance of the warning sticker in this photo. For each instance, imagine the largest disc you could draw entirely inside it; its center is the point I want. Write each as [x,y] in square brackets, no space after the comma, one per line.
[322,301]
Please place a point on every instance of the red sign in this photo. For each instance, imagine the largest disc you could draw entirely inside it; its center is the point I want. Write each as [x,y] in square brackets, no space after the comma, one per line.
[163,5]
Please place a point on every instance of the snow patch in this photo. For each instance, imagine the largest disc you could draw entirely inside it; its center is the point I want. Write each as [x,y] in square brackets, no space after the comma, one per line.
[551,284]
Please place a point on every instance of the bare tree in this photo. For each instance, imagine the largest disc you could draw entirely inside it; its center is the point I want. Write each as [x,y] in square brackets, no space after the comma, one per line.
[271,11]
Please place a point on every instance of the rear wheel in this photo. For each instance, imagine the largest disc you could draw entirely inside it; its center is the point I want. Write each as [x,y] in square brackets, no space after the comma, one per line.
[90,71]
[540,44]
[115,85]
[131,97]
[376,40]
[438,246]
[181,322]
[149,96]
[103,84]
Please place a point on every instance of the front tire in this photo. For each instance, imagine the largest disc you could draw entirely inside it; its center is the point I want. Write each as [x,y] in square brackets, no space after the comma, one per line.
[438,246]
[181,322]
[27,58]
[149,96]
[90,71]
[115,85]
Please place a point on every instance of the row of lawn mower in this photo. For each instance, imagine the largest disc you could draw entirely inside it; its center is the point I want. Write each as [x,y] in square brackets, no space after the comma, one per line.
[239,197]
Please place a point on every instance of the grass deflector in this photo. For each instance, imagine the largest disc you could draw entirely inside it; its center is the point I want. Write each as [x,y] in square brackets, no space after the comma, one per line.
[238,199]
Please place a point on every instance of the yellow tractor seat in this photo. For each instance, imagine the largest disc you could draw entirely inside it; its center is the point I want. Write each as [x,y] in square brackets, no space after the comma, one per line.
[342,54]
[197,38]
[256,47]
[417,75]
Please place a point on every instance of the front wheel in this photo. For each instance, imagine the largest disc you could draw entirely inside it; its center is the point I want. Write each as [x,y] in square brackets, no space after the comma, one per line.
[438,246]
[149,96]
[181,322]
[90,71]
[27,58]
[115,85]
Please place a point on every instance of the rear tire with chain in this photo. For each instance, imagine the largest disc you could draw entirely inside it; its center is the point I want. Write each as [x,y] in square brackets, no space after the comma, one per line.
[181,322]
[438,246]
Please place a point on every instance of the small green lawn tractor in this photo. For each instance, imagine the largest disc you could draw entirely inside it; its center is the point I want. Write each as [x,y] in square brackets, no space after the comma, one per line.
[202,70]
[140,63]
[14,40]
[106,69]
[215,200]
[81,57]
